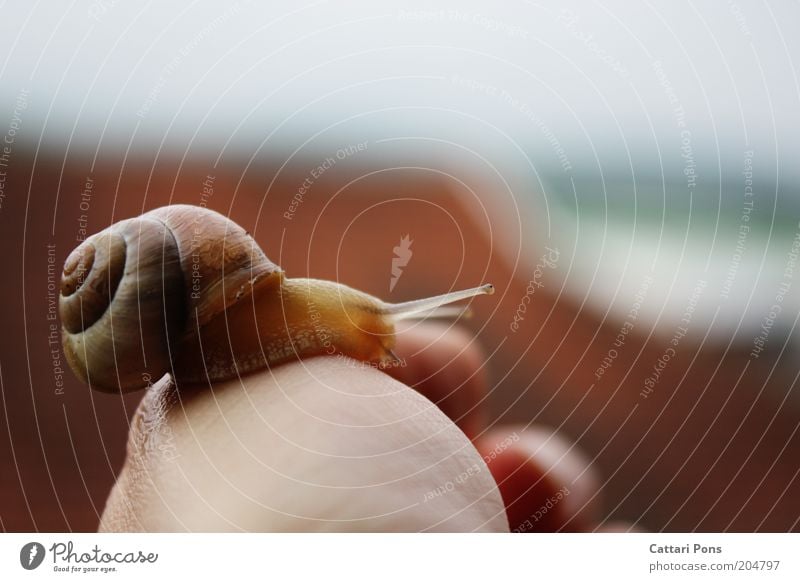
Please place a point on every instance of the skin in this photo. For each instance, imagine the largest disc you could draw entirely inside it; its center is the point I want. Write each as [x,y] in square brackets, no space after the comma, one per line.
[328,444]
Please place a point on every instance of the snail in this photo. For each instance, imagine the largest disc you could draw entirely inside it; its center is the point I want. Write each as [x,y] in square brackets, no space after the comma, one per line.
[186,291]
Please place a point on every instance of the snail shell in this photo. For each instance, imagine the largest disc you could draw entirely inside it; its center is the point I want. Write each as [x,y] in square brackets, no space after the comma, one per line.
[134,295]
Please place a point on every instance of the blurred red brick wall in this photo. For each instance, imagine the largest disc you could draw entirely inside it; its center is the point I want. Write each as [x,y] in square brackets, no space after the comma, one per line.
[60,449]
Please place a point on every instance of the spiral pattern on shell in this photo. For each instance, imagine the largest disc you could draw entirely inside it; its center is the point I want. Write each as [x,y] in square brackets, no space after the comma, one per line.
[133,295]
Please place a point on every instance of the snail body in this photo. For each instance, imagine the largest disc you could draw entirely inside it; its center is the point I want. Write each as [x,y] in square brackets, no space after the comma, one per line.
[184,290]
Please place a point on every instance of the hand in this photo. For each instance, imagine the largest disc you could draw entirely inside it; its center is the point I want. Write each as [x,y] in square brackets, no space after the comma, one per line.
[331,444]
